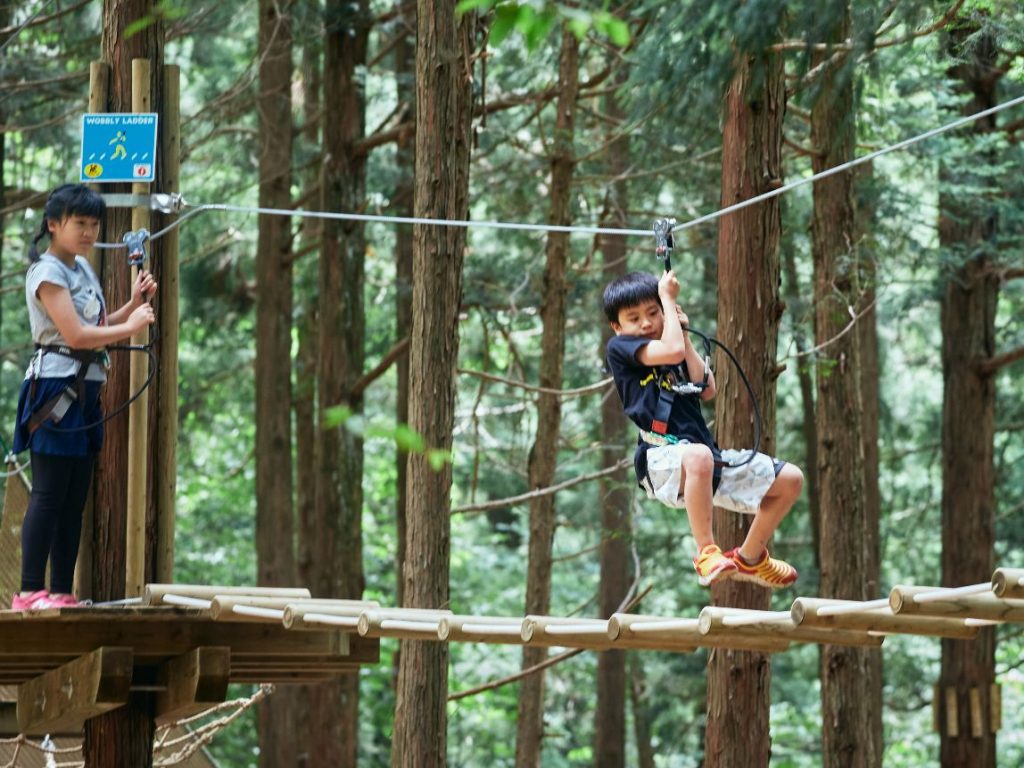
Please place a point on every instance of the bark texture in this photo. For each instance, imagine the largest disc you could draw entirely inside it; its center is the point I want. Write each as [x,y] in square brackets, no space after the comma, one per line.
[275,553]
[968,234]
[749,309]
[123,736]
[616,495]
[849,728]
[443,115]
[544,453]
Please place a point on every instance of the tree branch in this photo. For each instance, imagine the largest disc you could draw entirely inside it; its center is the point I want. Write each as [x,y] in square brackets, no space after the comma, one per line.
[385,362]
[992,364]
[542,390]
[544,664]
[44,19]
[512,501]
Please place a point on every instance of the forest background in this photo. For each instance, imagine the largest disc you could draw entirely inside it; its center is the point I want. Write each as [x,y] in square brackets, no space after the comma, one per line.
[622,108]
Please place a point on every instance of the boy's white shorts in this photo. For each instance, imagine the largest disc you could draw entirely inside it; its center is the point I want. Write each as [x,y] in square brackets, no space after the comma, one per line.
[741,489]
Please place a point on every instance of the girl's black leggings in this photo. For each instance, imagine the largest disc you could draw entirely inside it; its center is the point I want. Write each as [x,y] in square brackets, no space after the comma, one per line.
[53,521]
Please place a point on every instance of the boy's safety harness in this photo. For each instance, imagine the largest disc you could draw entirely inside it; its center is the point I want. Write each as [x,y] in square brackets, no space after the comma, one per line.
[668,390]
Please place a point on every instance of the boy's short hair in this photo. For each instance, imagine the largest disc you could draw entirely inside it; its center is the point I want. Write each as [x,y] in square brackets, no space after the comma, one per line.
[630,290]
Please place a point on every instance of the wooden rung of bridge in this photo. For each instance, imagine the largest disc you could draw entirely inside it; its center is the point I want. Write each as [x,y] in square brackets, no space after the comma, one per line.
[714,622]
[808,612]
[674,634]
[954,603]
[155,594]
[1008,583]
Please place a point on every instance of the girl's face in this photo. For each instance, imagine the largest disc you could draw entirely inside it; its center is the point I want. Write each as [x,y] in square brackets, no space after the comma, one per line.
[73,235]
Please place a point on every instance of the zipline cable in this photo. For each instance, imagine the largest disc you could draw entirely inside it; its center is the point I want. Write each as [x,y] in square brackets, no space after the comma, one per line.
[467,224]
[849,164]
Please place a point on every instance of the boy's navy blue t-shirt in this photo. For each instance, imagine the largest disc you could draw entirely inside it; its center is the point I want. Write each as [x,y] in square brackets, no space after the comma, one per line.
[638,385]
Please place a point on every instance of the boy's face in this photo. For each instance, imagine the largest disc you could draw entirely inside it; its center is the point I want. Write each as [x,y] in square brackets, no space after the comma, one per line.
[645,319]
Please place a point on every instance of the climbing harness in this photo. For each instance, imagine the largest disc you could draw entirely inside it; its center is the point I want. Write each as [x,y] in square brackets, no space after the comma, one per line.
[668,384]
[54,409]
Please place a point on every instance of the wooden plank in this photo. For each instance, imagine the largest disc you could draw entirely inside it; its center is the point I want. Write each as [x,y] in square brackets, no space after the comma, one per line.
[194,681]
[64,698]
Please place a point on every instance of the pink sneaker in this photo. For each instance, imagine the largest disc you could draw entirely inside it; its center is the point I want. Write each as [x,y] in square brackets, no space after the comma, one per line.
[62,601]
[33,601]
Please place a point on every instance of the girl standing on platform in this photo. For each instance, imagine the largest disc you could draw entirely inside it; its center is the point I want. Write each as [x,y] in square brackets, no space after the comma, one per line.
[59,413]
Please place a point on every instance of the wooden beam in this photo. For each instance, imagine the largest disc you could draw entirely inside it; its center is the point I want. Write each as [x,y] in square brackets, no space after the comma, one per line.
[65,698]
[194,681]
[712,624]
[662,632]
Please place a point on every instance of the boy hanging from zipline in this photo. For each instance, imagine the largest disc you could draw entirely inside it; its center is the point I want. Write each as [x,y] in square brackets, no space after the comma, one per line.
[661,380]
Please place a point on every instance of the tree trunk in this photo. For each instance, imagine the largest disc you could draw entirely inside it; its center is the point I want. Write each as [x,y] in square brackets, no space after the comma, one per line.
[544,453]
[443,115]
[337,565]
[867,339]
[967,233]
[849,727]
[797,307]
[123,736]
[615,492]
[641,713]
[275,554]
[405,159]
[749,308]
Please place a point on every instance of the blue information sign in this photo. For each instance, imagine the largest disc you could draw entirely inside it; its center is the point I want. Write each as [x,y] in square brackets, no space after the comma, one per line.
[119,147]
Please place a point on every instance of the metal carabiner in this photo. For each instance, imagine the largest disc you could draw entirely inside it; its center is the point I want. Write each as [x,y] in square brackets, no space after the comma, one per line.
[663,242]
[136,242]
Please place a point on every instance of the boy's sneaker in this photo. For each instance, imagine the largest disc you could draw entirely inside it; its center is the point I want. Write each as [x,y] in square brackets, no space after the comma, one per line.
[711,565]
[33,601]
[767,572]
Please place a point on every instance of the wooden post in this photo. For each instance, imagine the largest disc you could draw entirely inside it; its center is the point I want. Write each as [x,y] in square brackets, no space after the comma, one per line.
[65,697]
[138,412]
[952,714]
[995,704]
[977,719]
[99,79]
[167,320]
[193,682]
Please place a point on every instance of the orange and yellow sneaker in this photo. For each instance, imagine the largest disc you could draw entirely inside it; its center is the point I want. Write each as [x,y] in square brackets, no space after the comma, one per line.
[767,572]
[711,565]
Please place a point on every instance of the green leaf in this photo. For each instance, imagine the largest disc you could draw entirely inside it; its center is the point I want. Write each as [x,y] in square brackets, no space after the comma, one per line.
[465,6]
[618,32]
[337,415]
[438,457]
[505,16]
[408,439]
[138,25]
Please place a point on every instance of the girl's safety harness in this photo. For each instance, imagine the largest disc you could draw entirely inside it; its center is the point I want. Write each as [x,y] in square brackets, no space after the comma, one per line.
[55,408]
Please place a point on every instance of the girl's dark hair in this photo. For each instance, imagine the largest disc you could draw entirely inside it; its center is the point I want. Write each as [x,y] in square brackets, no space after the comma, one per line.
[64,201]
[630,290]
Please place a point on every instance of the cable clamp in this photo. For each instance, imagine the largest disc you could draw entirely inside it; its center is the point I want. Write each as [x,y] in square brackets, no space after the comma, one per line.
[136,243]
[164,202]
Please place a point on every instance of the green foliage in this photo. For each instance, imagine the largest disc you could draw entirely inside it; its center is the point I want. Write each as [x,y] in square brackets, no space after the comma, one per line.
[678,61]
[534,20]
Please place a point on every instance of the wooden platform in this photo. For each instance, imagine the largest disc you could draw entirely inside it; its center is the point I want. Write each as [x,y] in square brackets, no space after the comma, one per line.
[74,663]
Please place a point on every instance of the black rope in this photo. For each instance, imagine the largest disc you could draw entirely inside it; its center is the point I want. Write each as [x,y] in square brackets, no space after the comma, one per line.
[708,341]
